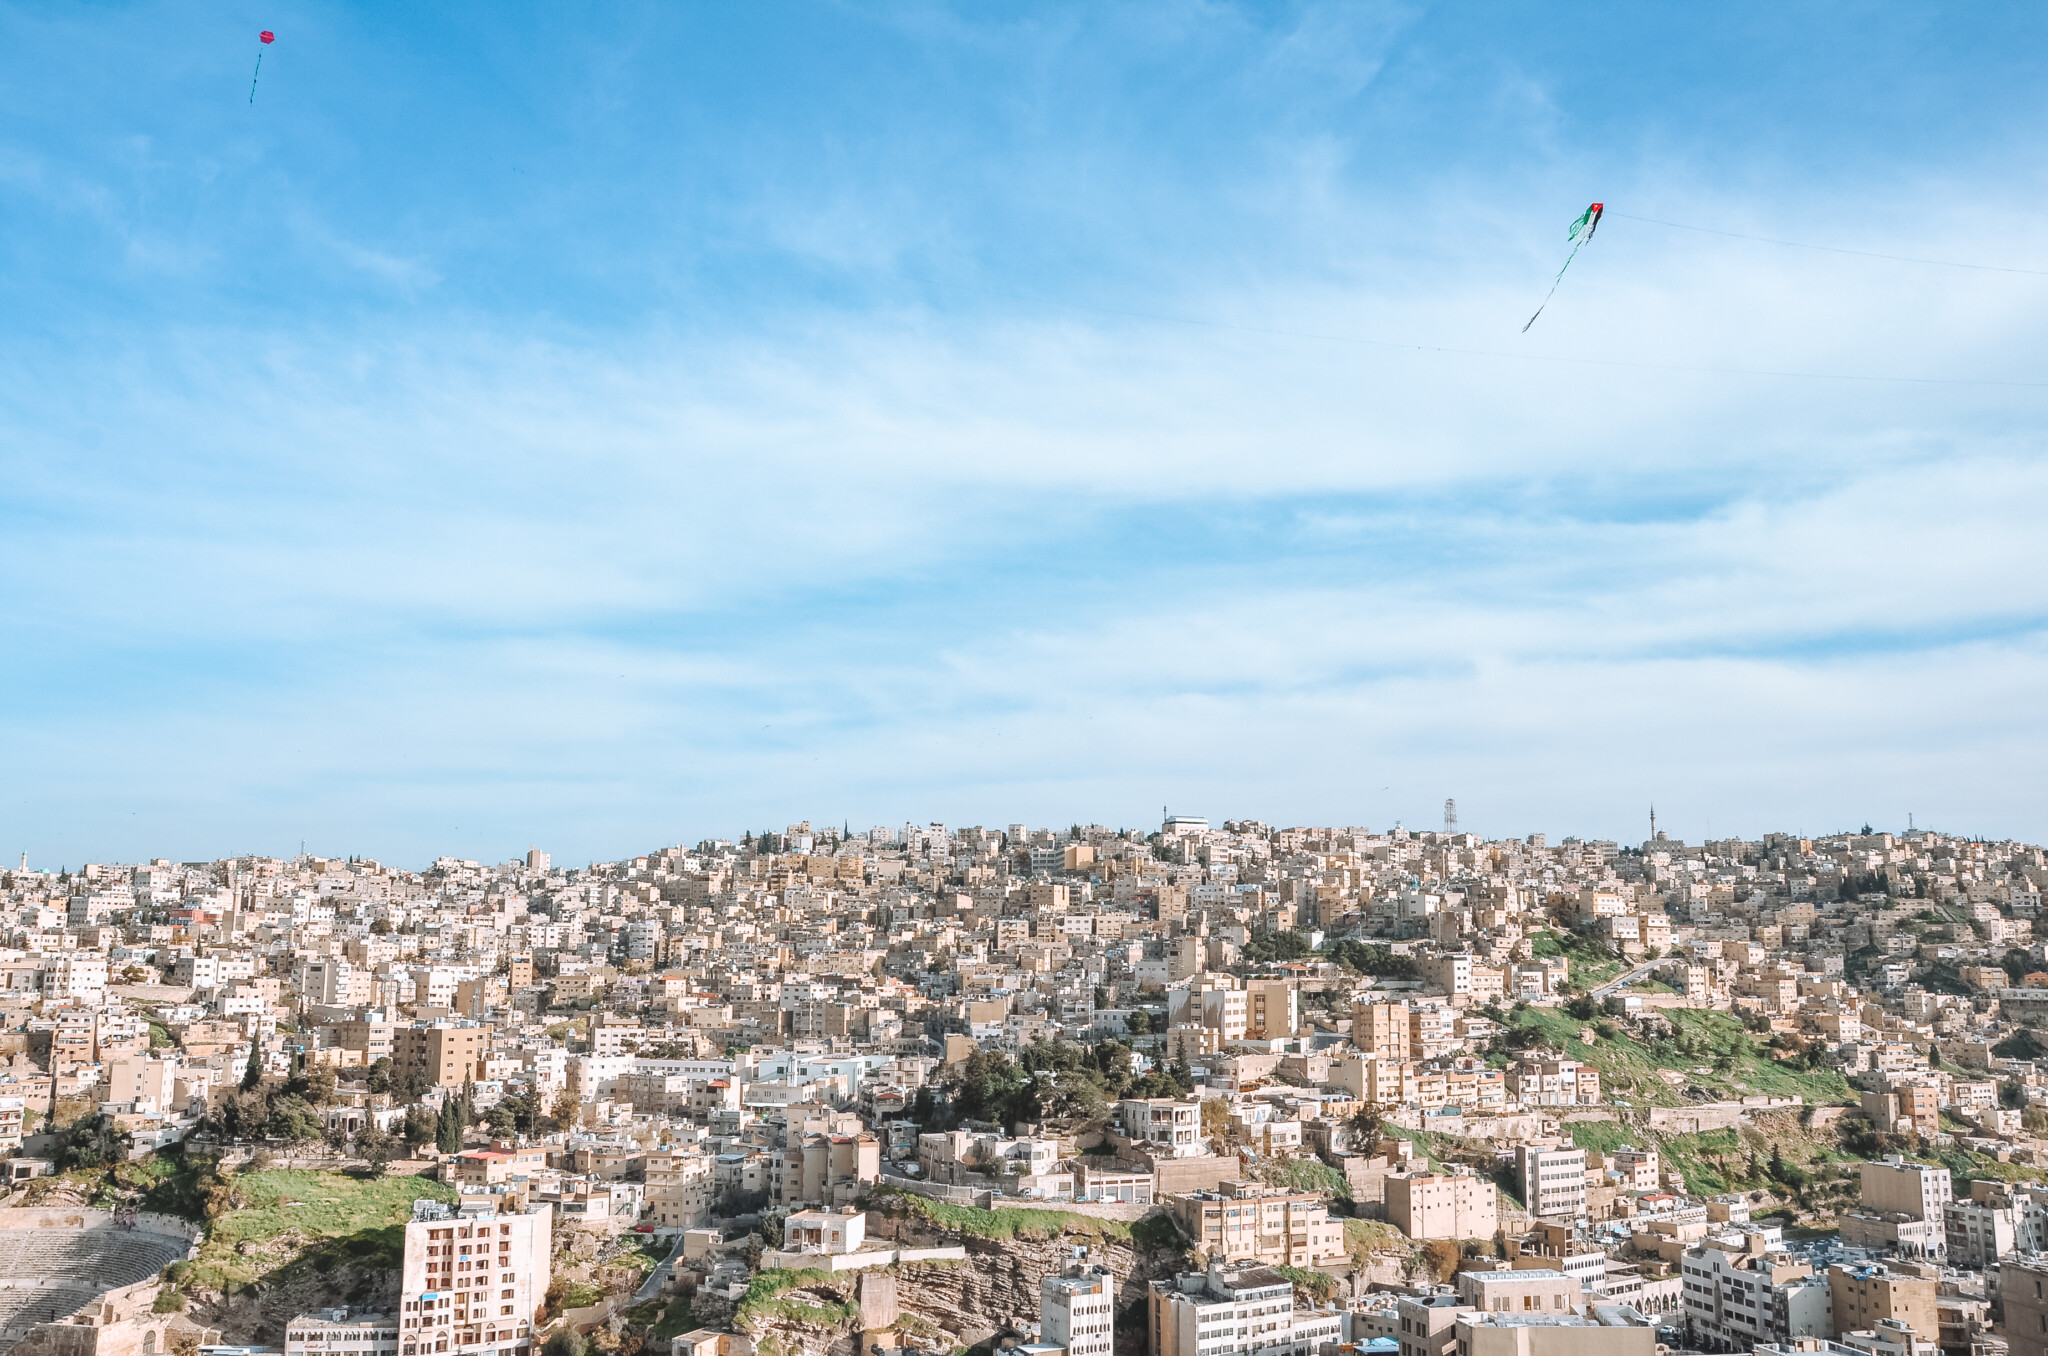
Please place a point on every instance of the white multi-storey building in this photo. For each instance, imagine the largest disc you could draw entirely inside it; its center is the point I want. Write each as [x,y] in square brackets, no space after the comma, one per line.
[473,1277]
[1553,1181]
[1235,1311]
[1077,1309]
[1738,1293]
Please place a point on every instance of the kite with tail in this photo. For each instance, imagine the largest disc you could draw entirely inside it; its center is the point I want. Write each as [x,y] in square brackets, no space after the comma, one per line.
[1581,232]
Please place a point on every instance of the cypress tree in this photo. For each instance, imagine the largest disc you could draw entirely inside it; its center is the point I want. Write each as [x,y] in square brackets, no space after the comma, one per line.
[448,1130]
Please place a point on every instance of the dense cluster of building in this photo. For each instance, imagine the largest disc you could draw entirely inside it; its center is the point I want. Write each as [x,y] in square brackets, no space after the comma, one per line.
[787,1023]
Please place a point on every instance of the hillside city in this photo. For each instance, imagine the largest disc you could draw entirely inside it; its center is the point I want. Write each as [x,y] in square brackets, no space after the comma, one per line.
[1202,1091]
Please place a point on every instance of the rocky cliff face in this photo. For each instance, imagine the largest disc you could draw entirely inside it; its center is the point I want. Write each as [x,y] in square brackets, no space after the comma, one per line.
[259,1314]
[943,1304]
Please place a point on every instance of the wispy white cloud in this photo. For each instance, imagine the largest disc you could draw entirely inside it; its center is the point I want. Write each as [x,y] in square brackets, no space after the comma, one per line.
[1030,465]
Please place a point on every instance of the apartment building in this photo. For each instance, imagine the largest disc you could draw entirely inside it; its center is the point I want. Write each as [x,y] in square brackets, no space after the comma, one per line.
[1244,1221]
[680,1187]
[1921,1190]
[1234,1311]
[1737,1293]
[1380,1029]
[473,1276]
[1554,1082]
[447,1053]
[2023,1290]
[1077,1309]
[1865,1294]
[1553,1180]
[1272,1008]
[1428,1326]
[1166,1125]
[1994,1220]
[327,1331]
[1638,1169]
[1535,1291]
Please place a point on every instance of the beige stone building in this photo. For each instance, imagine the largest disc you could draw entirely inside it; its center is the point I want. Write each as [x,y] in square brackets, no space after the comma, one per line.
[1442,1205]
[1246,1222]
[1861,1295]
[445,1052]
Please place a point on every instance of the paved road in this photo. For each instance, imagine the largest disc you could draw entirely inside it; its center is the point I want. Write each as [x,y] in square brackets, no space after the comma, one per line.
[1625,979]
[651,1287]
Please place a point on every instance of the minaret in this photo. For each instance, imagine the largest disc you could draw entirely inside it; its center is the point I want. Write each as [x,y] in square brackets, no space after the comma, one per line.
[1653,822]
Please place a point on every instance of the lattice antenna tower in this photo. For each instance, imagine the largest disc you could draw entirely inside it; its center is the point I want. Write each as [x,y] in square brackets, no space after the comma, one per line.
[1450,814]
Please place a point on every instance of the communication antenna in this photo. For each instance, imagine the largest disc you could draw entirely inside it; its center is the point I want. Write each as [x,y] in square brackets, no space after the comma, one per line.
[1450,815]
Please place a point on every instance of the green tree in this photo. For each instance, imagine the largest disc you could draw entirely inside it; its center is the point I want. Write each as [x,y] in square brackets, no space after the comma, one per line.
[420,1127]
[408,1082]
[290,1118]
[316,1085]
[379,1075]
[92,1142]
[378,1148]
[1372,958]
[1284,945]
[567,1342]
[252,1073]
[448,1128]
[988,1082]
[1027,1103]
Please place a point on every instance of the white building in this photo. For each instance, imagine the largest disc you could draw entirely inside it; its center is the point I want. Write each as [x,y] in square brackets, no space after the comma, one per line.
[1235,1311]
[831,1232]
[1165,1124]
[1077,1309]
[472,1279]
[1738,1293]
[1553,1181]
[325,1331]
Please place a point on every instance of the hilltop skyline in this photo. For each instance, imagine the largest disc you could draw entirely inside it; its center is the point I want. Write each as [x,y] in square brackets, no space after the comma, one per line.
[828,834]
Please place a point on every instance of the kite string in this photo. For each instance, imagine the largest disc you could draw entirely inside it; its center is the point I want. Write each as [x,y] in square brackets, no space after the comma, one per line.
[1558,279]
[1830,249]
[258,76]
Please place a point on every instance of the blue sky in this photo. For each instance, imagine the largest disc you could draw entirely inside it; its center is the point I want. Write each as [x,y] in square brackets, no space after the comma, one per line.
[609,427]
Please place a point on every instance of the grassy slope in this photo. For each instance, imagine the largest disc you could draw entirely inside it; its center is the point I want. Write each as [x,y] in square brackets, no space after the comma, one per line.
[1011,1222]
[1365,1237]
[1306,1174]
[1727,1061]
[329,1216]
[1592,964]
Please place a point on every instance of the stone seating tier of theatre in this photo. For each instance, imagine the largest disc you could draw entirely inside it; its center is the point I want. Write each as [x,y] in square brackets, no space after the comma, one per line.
[46,1274]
